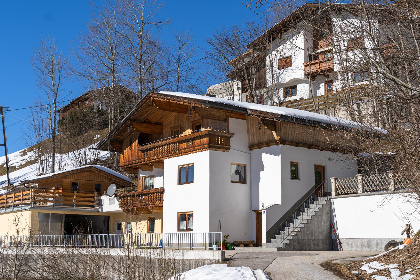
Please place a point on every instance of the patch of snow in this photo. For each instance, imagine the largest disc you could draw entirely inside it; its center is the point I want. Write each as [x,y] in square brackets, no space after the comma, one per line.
[63,162]
[290,112]
[399,247]
[393,269]
[221,271]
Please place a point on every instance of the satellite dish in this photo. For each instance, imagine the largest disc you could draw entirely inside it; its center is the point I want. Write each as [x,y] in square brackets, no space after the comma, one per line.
[111,190]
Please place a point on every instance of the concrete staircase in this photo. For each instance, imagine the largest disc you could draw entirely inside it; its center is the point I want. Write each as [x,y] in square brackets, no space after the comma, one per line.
[307,229]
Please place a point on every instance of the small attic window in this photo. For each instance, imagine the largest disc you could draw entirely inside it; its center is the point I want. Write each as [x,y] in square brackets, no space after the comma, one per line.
[74,187]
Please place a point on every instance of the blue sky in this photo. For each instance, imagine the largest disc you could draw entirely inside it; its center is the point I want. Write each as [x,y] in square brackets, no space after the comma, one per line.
[24,23]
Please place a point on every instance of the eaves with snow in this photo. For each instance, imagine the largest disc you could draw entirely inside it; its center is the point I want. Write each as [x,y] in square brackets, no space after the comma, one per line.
[180,101]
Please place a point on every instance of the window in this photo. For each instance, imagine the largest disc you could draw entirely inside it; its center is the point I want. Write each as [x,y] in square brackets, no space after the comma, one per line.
[98,188]
[196,126]
[185,221]
[294,170]
[119,227]
[238,173]
[285,62]
[74,187]
[359,77]
[186,173]
[151,225]
[290,91]
[328,87]
[355,43]
[147,182]
[128,227]
[175,131]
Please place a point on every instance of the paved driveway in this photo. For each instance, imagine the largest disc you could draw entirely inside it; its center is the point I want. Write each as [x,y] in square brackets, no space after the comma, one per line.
[294,265]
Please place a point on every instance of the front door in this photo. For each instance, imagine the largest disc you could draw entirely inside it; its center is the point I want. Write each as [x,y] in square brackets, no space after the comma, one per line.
[320,180]
[258,227]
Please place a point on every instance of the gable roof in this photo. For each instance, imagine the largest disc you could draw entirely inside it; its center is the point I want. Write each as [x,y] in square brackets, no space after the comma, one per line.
[59,174]
[236,108]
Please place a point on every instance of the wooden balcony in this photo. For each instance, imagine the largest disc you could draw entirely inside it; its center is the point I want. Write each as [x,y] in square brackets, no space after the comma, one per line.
[173,147]
[142,201]
[34,197]
[319,66]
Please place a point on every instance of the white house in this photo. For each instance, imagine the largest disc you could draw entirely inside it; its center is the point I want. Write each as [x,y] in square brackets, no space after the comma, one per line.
[304,55]
[226,165]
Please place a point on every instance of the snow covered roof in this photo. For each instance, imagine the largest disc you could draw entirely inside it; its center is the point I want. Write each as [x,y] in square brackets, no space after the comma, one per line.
[99,167]
[281,111]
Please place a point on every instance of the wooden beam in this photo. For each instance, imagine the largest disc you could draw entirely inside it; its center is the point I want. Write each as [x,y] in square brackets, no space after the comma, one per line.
[149,128]
[171,106]
[117,145]
[158,164]
[146,167]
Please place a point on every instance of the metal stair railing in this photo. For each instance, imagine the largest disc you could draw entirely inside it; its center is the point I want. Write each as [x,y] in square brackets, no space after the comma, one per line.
[297,217]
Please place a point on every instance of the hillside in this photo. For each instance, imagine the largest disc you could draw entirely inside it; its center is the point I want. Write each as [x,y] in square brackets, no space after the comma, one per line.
[25,165]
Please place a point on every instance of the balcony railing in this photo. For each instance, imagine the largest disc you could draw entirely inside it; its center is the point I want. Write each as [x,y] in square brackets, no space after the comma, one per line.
[141,200]
[319,66]
[35,197]
[182,145]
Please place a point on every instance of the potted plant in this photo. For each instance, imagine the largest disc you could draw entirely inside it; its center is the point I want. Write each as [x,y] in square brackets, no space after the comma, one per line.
[225,243]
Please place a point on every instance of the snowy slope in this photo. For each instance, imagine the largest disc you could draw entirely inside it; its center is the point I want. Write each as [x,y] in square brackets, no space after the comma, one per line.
[63,162]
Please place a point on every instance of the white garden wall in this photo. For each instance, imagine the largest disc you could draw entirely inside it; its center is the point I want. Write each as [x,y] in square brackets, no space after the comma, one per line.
[370,221]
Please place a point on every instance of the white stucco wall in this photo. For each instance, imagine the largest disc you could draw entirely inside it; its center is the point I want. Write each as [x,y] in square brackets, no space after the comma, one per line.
[157,172]
[336,165]
[230,203]
[293,43]
[187,197]
[375,216]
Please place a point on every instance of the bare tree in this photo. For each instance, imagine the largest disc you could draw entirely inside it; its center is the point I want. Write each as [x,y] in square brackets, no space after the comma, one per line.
[51,69]
[375,48]
[100,57]
[230,57]
[143,52]
[183,53]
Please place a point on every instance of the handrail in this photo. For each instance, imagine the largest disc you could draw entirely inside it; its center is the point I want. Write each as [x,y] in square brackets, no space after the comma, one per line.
[298,209]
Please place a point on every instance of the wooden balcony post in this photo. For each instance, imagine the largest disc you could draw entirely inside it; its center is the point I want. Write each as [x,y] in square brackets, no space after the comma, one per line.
[5,203]
[333,186]
[95,198]
[74,200]
[21,198]
[13,203]
[360,183]
[53,197]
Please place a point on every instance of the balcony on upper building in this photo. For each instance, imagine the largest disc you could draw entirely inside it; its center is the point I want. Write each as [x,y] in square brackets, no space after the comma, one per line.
[162,149]
[319,64]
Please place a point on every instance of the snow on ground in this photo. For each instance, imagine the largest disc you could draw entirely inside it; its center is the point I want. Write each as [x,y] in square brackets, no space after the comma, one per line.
[63,162]
[222,271]
[395,273]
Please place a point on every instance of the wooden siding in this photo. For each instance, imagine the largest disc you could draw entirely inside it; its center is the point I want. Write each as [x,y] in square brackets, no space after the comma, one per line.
[85,178]
[265,132]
